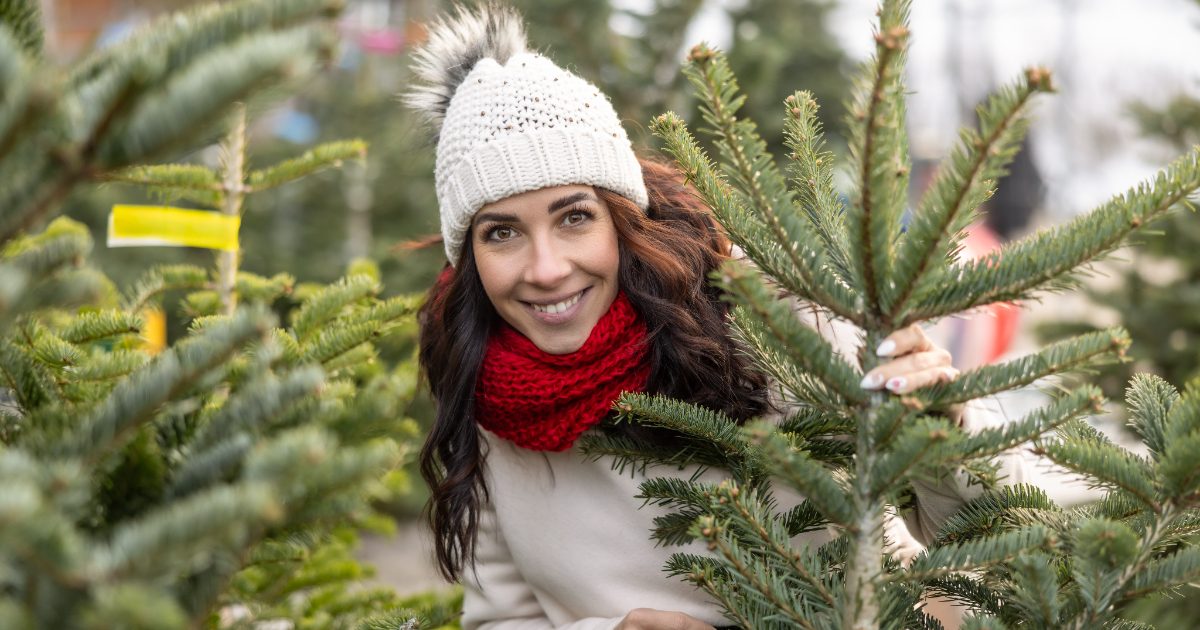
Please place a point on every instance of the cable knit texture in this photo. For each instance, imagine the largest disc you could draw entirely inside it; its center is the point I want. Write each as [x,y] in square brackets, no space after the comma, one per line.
[543,402]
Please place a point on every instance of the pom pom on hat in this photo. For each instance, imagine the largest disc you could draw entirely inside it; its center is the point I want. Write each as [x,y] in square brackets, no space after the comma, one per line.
[456,43]
[508,121]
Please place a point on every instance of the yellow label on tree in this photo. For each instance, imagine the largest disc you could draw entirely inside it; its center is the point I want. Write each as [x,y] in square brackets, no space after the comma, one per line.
[150,226]
[154,330]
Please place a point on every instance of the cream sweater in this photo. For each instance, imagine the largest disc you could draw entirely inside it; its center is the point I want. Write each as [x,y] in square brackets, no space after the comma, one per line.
[564,544]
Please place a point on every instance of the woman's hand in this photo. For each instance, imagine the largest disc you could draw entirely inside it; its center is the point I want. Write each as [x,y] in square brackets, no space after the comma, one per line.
[915,362]
[650,619]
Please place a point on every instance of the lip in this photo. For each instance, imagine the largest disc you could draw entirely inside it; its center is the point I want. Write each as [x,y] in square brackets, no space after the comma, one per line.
[558,318]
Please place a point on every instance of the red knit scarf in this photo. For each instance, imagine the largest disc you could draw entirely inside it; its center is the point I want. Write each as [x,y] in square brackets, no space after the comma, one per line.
[543,402]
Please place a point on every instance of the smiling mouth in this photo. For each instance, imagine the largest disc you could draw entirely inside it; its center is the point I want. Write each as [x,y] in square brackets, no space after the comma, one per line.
[558,307]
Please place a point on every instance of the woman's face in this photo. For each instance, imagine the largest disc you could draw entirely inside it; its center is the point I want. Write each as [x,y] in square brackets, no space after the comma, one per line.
[548,260]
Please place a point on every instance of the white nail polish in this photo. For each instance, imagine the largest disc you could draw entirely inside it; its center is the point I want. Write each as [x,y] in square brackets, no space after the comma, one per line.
[896,383]
[886,348]
[872,381]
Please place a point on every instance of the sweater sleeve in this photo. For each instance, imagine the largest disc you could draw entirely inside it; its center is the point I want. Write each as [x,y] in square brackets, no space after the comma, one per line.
[497,597]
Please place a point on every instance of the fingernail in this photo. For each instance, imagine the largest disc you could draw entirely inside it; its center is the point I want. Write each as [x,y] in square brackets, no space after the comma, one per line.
[872,381]
[886,348]
[896,383]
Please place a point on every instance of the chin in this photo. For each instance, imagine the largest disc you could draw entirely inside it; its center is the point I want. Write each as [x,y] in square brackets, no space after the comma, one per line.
[559,345]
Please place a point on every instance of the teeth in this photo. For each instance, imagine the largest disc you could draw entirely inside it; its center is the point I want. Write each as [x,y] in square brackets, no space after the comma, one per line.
[559,307]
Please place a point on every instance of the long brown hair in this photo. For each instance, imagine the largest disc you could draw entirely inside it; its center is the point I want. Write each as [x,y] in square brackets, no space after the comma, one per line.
[666,254]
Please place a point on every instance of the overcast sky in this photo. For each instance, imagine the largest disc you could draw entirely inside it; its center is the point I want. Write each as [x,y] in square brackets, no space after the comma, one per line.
[1105,54]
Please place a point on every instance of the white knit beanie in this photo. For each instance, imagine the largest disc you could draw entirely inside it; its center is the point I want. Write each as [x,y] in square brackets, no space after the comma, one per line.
[510,121]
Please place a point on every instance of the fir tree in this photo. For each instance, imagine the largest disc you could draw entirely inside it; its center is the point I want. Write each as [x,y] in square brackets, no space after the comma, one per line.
[1013,556]
[220,475]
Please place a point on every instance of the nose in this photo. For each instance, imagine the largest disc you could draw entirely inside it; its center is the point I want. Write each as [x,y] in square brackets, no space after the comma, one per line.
[549,263]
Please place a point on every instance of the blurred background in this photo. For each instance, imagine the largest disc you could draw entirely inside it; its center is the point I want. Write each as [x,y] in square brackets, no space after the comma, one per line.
[1128,102]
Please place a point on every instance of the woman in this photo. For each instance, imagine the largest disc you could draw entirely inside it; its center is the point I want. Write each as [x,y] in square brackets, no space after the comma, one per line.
[578,272]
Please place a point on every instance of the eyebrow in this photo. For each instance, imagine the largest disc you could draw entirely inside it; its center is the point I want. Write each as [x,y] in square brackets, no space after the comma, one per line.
[557,204]
[563,202]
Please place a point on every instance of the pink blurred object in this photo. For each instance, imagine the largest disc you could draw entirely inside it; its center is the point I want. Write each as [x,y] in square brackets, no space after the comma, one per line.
[387,41]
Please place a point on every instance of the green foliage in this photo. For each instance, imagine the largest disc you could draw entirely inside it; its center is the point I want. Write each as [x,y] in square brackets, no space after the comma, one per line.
[142,97]
[1011,555]
[230,471]
[208,475]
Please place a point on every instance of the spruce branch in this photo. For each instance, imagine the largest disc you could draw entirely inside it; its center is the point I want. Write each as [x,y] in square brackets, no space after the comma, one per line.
[879,155]
[755,515]
[796,265]
[1041,261]
[942,560]
[135,401]
[23,19]
[811,173]
[990,442]
[328,155]
[1077,353]
[1167,573]
[962,184]
[1149,399]
[755,576]
[188,181]
[90,327]
[162,279]
[993,512]
[186,529]
[798,470]
[329,301]
[759,312]
[694,421]
[707,573]
[917,448]
[1105,466]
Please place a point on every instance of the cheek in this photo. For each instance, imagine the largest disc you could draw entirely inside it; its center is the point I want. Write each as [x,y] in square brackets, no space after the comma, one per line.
[493,275]
[607,257]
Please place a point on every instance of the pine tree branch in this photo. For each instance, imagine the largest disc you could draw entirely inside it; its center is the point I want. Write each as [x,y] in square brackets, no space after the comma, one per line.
[90,327]
[963,183]
[327,303]
[706,573]
[1039,261]
[992,512]
[24,19]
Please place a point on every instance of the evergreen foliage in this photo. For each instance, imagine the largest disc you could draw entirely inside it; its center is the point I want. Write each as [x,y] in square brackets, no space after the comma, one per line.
[222,480]
[1012,556]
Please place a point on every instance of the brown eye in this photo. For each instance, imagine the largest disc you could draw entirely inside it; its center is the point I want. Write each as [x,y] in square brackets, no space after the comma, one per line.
[500,233]
[575,217]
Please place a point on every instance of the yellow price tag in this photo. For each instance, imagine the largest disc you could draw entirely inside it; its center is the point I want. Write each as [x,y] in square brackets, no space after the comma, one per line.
[154,330]
[149,226]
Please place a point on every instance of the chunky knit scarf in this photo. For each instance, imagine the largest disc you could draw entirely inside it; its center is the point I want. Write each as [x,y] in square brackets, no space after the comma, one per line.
[543,402]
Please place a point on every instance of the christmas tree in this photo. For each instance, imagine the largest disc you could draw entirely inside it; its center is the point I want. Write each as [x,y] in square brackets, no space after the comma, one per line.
[1012,556]
[219,480]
